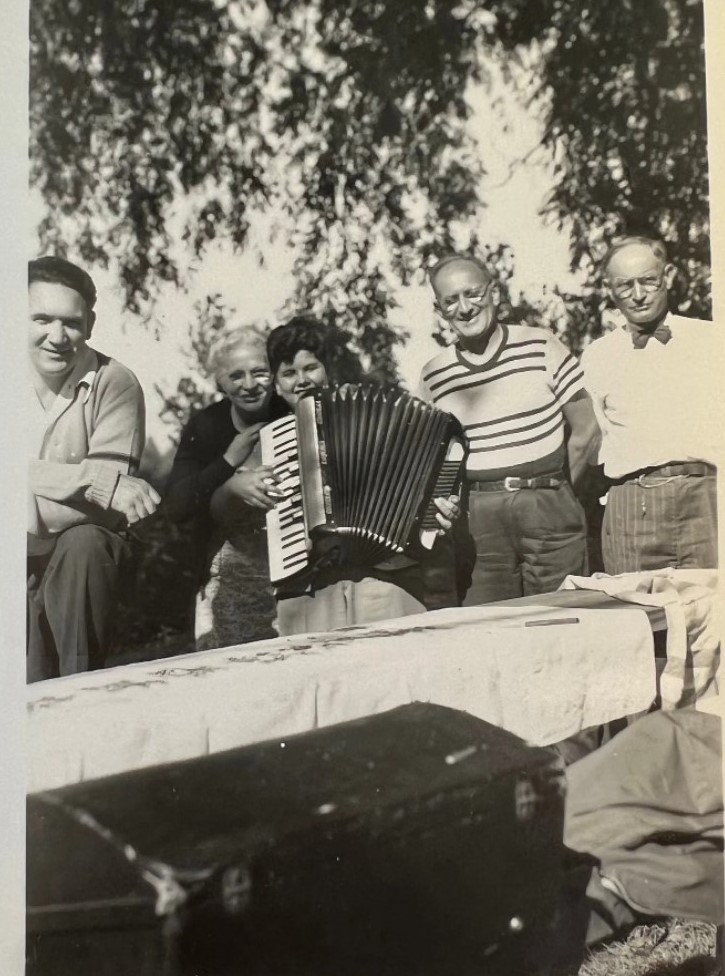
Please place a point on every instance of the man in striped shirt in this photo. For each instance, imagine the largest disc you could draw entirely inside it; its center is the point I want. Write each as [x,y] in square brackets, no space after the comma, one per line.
[519,394]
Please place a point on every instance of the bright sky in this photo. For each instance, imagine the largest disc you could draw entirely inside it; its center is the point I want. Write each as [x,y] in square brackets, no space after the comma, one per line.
[513,193]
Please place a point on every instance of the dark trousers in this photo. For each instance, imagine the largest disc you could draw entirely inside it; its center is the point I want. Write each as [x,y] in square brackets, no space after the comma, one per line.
[526,541]
[661,522]
[72,597]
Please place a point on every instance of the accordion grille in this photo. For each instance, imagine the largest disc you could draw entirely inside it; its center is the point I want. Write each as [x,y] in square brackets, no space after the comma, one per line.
[379,451]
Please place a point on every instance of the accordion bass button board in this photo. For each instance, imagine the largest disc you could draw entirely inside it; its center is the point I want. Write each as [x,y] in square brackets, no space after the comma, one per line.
[360,468]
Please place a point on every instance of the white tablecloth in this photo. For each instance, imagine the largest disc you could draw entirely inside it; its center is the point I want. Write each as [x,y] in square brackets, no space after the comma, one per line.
[542,682]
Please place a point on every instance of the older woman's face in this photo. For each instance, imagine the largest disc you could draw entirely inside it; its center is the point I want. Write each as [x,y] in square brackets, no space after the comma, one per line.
[246,380]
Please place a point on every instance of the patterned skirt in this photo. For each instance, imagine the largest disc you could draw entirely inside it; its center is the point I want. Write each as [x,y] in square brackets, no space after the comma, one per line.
[237,604]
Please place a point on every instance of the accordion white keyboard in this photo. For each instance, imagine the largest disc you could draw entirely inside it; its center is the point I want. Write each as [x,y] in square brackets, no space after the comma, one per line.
[288,549]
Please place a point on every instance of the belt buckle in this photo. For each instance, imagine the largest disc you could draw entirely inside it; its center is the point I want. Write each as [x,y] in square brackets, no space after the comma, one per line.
[512,484]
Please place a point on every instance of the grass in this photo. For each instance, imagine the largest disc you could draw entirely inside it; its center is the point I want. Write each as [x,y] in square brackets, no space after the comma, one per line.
[670,947]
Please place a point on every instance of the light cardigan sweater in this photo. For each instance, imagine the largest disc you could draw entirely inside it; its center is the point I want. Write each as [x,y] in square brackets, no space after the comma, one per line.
[93,433]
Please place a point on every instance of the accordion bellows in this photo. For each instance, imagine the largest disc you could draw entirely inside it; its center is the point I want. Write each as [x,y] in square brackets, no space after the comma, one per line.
[360,466]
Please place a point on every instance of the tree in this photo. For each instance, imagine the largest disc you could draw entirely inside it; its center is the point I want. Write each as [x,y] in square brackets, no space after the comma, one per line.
[622,87]
[153,120]
[210,321]
[349,117]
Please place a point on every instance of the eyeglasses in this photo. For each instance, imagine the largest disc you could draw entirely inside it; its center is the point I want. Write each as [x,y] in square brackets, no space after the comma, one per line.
[650,283]
[476,296]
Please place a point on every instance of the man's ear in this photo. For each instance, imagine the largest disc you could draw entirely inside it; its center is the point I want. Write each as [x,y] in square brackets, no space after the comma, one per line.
[438,310]
[91,322]
[670,273]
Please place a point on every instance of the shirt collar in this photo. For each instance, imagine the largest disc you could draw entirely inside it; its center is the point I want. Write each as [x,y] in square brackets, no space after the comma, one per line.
[83,374]
[626,330]
[496,341]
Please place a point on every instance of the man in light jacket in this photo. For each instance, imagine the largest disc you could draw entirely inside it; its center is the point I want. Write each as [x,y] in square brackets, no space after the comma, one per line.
[86,418]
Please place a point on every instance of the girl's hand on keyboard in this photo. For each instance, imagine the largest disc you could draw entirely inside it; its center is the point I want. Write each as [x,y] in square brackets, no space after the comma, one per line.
[257,488]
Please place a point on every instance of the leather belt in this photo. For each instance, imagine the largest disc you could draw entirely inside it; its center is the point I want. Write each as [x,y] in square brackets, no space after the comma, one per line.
[517,484]
[695,469]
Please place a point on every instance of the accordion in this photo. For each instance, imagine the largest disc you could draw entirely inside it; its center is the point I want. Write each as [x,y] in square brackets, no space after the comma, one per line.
[360,467]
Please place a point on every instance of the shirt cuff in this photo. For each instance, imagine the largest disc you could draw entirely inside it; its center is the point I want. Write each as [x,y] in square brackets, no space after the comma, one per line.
[219,471]
[103,484]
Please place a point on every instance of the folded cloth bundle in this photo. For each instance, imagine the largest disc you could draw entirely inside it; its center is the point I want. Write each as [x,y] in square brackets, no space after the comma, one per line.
[690,601]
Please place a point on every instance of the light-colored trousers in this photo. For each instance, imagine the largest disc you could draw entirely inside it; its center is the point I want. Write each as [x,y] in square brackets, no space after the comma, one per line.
[343,604]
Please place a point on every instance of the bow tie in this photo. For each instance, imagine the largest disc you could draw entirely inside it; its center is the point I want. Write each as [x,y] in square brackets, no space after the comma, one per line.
[662,333]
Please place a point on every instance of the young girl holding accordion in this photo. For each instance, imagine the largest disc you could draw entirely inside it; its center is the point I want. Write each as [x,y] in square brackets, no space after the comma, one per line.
[305,355]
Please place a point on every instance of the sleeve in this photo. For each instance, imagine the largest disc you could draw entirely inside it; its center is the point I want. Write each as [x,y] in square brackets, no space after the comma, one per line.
[54,517]
[114,448]
[422,390]
[593,388]
[564,374]
[447,570]
[701,390]
[193,479]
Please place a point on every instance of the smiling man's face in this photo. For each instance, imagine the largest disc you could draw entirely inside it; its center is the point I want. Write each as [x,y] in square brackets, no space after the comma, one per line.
[60,325]
[465,299]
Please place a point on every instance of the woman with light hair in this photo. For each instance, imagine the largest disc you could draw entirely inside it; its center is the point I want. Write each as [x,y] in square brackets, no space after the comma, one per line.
[218,488]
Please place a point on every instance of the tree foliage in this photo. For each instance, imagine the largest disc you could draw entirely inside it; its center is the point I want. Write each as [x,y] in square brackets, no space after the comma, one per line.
[196,389]
[622,87]
[348,117]
[150,117]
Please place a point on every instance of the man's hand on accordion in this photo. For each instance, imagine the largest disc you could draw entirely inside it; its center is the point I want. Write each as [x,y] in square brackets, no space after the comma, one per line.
[448,511]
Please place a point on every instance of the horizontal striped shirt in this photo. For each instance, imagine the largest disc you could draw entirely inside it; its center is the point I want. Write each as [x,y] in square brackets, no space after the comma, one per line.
[509,401]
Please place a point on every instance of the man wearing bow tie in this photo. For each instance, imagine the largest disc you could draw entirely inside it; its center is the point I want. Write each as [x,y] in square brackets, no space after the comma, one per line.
[652,383]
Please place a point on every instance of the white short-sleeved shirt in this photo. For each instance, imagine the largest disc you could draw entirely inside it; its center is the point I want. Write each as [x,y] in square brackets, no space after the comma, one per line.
[658,404]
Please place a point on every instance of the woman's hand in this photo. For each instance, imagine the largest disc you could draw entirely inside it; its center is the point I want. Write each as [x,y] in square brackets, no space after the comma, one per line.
[448,511]
[256,488]
[242,446]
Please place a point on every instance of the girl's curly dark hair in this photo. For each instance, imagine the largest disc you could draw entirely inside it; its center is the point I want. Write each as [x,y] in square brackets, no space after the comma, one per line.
[327,342]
